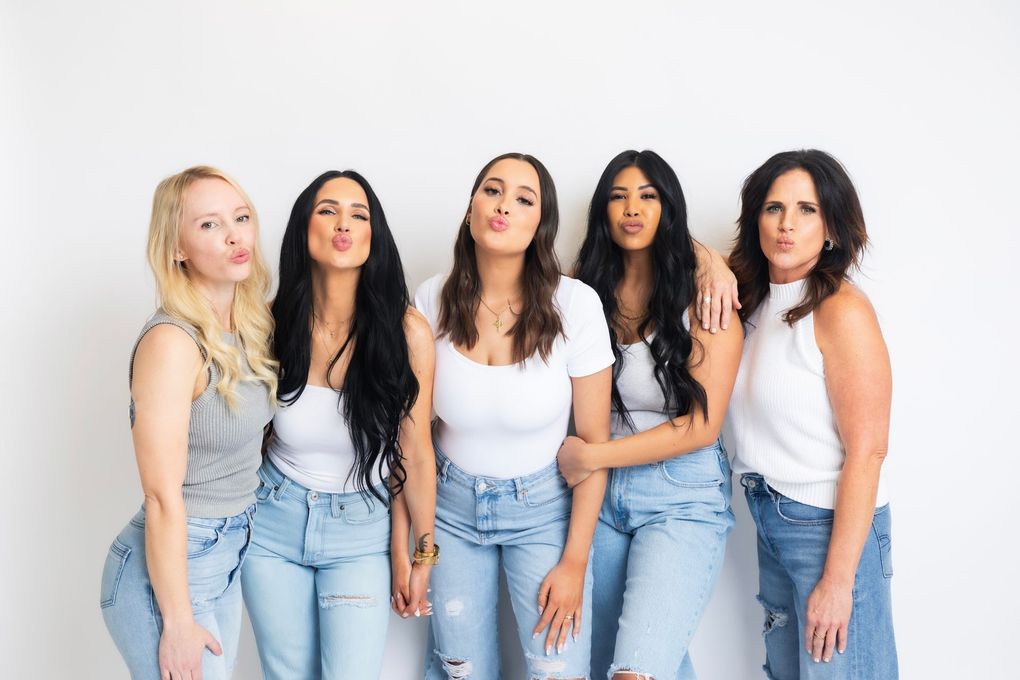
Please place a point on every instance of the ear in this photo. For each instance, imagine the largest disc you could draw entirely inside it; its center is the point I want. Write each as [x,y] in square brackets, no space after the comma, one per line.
[179,255]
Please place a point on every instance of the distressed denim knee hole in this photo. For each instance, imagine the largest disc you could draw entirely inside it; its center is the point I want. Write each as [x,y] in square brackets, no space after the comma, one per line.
[775,617]
[456,669]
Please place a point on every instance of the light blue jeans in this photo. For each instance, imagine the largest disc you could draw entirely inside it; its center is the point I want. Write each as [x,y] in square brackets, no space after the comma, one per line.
[793,542]
[481,523]
[658,550]
[317,581]
[216,548]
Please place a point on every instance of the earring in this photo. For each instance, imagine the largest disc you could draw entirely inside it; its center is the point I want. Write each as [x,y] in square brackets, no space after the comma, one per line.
[829,245]
[467,220]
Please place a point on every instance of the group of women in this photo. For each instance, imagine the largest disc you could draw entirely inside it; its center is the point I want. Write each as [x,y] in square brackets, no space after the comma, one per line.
[336,440]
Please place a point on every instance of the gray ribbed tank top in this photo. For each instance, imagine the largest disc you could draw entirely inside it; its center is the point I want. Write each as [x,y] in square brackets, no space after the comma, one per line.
[224,445]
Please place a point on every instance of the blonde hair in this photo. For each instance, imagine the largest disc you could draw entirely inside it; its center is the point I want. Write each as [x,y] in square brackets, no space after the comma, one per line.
[180,298]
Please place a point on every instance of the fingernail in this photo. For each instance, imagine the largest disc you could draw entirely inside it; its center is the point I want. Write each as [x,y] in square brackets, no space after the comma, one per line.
[713,330]
[417,612]
[816,659]
[548,651]
[725,326]
[540,608]
[534,635]
[403,615]
[559,648]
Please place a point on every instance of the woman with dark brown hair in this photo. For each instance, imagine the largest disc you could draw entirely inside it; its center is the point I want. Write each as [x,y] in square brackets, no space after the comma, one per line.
[519,348]
[810,419]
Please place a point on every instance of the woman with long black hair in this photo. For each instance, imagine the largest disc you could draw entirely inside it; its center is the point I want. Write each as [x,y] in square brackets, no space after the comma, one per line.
[662,529]
[356,364]
[519,348]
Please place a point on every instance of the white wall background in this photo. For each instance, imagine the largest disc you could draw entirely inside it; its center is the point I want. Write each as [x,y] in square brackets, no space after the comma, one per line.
[99,101]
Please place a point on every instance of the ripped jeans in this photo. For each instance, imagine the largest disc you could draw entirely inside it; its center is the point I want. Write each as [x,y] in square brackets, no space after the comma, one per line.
[482,525]
[215,550]
[317,581]
[793,543]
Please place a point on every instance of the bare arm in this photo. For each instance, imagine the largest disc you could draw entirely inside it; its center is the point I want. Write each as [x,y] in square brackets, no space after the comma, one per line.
[166,377]
[562,590]
[716,371]
[717,289]
[858,378]
[419,492]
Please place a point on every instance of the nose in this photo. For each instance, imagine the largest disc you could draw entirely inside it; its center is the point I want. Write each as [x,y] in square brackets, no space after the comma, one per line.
[341,226]
[502,207]
[630,209]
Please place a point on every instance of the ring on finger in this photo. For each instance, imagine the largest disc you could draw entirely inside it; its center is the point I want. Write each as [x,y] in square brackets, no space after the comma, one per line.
[568,617]
[817,636]
[707,299]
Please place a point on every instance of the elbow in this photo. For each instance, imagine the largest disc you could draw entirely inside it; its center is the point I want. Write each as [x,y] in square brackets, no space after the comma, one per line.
[872,456]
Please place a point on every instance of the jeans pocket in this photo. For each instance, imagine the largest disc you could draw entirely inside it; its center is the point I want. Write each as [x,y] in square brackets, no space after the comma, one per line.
[365,511]
[880,526]
[202,539]
[696,470]
[116,558]
[546,492]
[793,512]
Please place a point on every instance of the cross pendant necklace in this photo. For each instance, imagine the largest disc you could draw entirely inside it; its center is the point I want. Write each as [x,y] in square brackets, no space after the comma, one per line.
[498,323]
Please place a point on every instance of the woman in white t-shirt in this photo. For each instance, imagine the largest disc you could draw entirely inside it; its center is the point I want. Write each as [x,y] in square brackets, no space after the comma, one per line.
[519,349]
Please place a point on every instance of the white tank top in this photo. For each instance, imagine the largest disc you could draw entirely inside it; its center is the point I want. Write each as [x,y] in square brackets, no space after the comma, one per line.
[312,443]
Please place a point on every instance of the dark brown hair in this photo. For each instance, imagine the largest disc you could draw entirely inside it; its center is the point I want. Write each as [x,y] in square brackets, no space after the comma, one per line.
[844,223]
[539,322]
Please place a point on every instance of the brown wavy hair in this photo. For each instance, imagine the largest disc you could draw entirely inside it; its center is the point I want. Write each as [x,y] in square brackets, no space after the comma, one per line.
[844,223]
[539,321]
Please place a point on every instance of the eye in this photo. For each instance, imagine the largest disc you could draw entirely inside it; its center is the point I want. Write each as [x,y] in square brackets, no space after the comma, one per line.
[360,216]
[524,200]
[616,196]
[243,218]
[490,191]
[326,211]
[207,225]
[649,196]
[773,208]
[808,209]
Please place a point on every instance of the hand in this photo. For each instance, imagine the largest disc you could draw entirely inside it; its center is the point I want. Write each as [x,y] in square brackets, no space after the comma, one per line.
[559,602]
[180,651]
[574,459]
[410,586]
[717,292]
[828,618]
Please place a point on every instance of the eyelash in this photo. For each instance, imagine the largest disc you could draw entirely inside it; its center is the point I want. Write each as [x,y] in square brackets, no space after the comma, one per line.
[645,196]
[493,191]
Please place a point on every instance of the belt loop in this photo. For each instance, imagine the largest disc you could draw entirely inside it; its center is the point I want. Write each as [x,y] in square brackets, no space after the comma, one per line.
[444,468]
[282,487]
[334,504]
[521,490]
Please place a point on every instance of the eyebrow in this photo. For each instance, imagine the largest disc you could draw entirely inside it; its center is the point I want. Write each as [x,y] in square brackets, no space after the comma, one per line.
[643,186]
[330,201]
[216,214]
[523,186]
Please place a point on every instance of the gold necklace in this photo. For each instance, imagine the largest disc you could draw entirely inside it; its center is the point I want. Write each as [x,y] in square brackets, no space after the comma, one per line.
[498,323]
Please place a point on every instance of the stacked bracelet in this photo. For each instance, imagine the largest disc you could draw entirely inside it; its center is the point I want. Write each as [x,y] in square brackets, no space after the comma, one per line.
[427,557]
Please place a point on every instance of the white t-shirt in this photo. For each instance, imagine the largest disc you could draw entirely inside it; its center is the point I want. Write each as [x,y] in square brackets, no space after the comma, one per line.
[312,443]
[509,421]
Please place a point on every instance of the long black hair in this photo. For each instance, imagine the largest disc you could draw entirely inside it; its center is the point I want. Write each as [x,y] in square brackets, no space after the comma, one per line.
[844,225]
[379,387]
[600,265]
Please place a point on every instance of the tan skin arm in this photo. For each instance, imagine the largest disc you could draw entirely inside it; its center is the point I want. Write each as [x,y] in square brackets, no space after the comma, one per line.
[416,505]
[858,378]
[167,376]
[717,283]
[716,372]
[562,591]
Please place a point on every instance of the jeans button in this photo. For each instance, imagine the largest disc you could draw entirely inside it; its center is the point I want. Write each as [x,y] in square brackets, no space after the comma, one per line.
[482,486]
[751,484]
[314,496]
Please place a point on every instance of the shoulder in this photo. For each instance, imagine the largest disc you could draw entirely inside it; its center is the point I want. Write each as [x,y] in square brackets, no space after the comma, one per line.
[426,297]
[846,309]
[576,298]
[845,317]
[417,330]
[167,350]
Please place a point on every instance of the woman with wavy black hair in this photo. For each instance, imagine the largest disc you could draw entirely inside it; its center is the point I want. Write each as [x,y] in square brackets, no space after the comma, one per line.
[810,419]
[519,347]
[662,529]
[356,364]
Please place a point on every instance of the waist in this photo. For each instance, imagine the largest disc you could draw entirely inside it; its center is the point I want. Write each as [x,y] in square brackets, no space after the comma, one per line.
[282,484]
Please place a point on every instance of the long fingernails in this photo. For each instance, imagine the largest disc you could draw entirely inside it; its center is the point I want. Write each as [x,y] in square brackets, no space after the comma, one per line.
[417,612]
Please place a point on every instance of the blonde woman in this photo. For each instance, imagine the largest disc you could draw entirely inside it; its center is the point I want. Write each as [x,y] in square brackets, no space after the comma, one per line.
[202,389]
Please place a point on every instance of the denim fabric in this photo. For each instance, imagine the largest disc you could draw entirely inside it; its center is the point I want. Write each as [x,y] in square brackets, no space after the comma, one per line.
[658,551]
[216,548]
[793,542]
[317,581]
[481,523]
